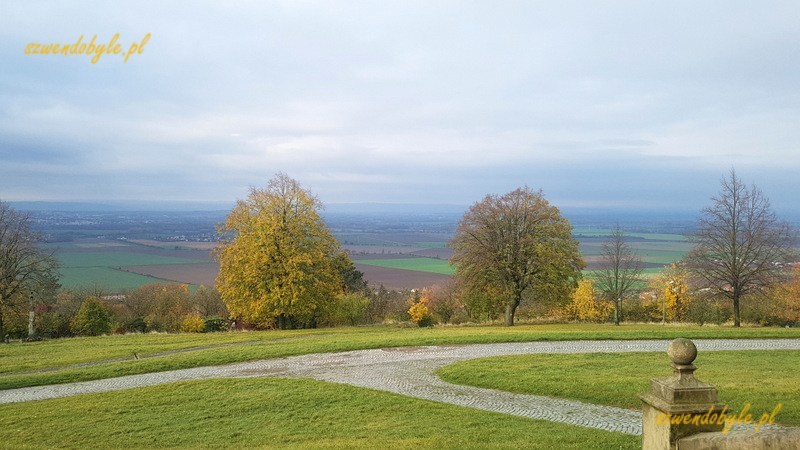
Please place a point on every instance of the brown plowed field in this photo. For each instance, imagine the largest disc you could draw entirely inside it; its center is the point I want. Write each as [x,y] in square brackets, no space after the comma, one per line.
[205,274]
[400,279]
[200,274]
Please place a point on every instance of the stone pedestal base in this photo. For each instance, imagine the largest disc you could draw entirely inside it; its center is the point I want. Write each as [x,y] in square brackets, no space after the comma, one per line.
[680,405]
[662,429]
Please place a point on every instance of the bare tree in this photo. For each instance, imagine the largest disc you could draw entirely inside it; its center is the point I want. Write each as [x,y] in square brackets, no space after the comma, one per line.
[741,246]
[620,273]
[23,264]
[514,245]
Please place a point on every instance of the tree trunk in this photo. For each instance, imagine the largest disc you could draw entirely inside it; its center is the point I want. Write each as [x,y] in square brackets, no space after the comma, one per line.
[509,315]
[511,309]
[281,321]
[617,313]
[736,321]
[31,324]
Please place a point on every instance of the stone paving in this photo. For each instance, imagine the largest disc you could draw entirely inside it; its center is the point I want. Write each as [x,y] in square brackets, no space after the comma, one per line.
[410,371]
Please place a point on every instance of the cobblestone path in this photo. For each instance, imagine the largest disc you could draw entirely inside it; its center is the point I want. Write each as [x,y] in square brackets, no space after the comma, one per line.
[410,371]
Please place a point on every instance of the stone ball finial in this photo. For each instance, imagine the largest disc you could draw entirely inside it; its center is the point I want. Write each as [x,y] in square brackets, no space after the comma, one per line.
[682,351]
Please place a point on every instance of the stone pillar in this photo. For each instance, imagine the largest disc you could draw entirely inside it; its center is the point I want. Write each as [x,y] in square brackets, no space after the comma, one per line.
[680,405]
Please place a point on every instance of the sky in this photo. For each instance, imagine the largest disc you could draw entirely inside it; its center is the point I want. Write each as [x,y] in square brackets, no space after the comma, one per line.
[612,104]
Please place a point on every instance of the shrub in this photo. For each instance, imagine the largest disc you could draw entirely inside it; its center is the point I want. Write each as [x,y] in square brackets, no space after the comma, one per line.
[638,310]
[92,319]
[419,311]
[445,302]
[193,323]
[387,306]
[137,325]
[345,309]
[702,311]
[215,324]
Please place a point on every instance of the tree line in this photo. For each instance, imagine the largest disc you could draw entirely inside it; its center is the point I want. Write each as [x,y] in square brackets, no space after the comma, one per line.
[280,267]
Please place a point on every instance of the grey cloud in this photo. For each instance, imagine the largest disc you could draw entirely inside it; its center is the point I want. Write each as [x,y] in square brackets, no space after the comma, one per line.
[622,102]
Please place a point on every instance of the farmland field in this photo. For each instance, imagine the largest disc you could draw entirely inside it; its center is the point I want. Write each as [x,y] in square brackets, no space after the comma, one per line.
[416,264]
[106,278]
[399,279]
[656,250]
[116,265]
[398,260]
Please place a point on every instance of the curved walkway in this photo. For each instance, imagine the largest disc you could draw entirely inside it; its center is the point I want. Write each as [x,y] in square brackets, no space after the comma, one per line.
[410,371]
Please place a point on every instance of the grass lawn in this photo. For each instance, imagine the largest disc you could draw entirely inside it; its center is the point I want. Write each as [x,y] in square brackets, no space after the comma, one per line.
[420,264]
[278,413]
[17,360]
[288,413]
[762,378]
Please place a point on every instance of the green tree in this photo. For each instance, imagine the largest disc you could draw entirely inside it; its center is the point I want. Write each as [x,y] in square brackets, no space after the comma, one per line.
[352,278]
[279,262]
[741,247]
[24,266]
[620,272]
[518,245]
[92,319]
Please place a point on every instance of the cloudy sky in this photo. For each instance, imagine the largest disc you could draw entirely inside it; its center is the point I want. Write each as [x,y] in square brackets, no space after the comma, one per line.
[611,104]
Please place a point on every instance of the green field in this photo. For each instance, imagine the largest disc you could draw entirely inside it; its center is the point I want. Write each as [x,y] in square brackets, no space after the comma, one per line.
[116,259]
[106,278]
[420,264]
[99,263]
[587,232]
[431,244]
[656,252]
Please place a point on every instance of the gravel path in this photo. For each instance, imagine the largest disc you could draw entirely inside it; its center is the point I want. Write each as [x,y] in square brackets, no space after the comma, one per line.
[410,371]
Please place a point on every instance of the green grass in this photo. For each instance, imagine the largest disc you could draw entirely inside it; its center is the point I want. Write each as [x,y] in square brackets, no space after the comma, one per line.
[763,378]
[420,264]
[278,413]
[61,355]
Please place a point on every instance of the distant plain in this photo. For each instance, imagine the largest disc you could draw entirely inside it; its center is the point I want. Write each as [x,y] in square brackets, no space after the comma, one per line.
[396,260]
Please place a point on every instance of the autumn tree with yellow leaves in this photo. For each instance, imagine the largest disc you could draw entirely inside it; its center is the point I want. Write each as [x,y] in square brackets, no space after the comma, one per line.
[675,292]
[586,304]
[279,263]
[419,311]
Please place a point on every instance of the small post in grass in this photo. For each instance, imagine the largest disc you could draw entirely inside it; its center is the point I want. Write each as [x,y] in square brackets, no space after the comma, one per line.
[680,405]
